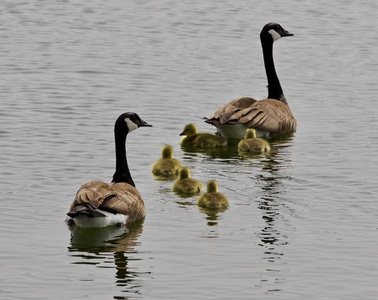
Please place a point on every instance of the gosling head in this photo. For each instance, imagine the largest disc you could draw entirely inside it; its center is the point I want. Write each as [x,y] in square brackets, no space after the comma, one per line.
[190,130]
[167,151]
[212,186]
[274,31]
[184,173]
[250,133]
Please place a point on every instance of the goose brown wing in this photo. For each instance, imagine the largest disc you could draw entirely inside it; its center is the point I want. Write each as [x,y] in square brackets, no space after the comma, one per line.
[125,199]
[266,115]
[120,198]
[91,193]
[223,114]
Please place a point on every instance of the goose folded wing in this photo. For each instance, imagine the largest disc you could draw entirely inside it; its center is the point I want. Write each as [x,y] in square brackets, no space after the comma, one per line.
[91,194]
[124,199]
[225,112]
[266,115]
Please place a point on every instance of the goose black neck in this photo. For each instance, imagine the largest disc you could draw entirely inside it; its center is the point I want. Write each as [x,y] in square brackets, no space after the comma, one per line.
[274,86]
[122,173]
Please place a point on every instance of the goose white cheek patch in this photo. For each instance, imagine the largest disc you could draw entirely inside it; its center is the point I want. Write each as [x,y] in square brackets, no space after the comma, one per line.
[131,125]
[275,35]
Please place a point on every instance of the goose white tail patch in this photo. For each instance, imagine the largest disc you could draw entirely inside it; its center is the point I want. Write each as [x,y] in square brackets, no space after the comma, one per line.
[275,35]
[131,125]
[99,222]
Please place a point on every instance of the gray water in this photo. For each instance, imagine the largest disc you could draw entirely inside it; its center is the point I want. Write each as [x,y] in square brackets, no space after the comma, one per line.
[302,221]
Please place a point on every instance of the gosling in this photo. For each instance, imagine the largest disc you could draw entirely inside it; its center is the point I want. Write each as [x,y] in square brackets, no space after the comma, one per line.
[252,144]
[212,198]
[185,185]
[166,166]
[201,140]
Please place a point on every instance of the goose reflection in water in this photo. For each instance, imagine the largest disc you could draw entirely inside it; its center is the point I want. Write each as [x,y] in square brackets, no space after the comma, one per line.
[270,201]
[109,245]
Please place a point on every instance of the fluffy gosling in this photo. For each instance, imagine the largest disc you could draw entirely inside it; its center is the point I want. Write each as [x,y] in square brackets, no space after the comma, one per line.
[185,185]
[201,140]
[166,166]
[212,198]
[251,143]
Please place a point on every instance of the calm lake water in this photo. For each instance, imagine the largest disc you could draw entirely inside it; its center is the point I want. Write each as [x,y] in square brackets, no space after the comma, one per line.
[302,221]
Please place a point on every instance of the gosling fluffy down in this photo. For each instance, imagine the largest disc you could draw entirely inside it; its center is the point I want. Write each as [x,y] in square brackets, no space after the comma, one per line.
[212,198]
[201,140]
[166,166]
[252,144]
[185,185]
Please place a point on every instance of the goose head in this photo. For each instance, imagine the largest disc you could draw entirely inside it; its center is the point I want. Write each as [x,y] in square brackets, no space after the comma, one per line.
[274,31]
[190,130]
[128,122]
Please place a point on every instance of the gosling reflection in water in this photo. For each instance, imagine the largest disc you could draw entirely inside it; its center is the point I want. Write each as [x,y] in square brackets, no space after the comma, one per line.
[213,215]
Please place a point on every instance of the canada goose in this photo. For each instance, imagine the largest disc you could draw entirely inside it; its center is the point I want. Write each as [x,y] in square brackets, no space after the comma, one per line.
[99,204]
[166,166]
[201,140]
[271,116]
[251,143]
[185,185]
[212,198]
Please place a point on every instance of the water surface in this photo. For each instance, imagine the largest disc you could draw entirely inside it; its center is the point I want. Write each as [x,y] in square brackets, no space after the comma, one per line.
[302,221]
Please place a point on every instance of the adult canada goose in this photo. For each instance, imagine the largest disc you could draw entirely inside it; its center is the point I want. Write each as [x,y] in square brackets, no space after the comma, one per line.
[212,198]
[185,185]
[251,143]
[99,204]
[271,116]
[166,166]
[201,140]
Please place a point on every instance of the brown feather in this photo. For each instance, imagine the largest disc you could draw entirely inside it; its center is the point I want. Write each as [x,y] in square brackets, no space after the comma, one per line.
[224,113]
[269,115]
[119,197]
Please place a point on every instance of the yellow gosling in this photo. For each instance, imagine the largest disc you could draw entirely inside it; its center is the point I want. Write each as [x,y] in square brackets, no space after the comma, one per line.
[252,144]
[201,140]
[212,198]
[185,185]
[166,166]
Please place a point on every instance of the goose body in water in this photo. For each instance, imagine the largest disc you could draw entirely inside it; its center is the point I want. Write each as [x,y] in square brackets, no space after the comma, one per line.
[271,116]
[101,204]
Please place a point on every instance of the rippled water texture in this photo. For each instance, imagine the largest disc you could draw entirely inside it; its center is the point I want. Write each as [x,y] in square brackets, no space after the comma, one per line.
[302,221]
